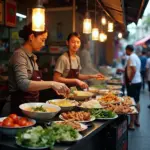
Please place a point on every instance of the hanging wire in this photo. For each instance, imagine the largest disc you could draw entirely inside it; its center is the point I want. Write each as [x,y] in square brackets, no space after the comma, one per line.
[101,20]
[95,11]
[39,3]
[87,5]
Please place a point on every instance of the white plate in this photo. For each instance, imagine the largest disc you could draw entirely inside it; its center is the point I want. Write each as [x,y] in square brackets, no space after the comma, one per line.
[102,102]
[133,102]
[107,118]
[31,147]
[83,126]
[77,139]
[130,113]
[92,119]
[114,87]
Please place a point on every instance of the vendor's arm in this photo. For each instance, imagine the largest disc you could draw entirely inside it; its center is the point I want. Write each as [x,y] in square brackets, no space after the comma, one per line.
[59,71]
[25,84]
[86,77]
[58,77]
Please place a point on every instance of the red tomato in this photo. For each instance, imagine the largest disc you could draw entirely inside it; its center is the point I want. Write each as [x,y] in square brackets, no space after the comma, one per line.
[22,121]
[1,123]
[14,117]
[29,123]
[9,119]
[16,125]
[7,122]
[24,118]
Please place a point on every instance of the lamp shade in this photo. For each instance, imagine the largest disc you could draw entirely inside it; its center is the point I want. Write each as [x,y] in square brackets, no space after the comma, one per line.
[95,34]
[87,26]
[102,37]
[110,27]
[38,19]
[103,20]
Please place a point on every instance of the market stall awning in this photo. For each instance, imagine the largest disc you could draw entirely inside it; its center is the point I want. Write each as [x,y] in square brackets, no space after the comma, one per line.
[142,41]
[122,12]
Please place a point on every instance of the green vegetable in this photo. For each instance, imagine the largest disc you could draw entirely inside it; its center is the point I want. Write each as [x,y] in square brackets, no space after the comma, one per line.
[63,132]
[101,113]
[101,86]
[39,108]
[37,137]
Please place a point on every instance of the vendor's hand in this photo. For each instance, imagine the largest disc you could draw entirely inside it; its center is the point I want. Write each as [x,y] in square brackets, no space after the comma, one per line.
[82,84]
[60,88]
[98,76]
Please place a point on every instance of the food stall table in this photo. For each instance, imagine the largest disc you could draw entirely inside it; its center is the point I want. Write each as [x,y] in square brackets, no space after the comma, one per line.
[103,135]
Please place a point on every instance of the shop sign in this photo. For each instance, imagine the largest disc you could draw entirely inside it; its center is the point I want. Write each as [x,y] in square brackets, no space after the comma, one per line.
[10,13]
[1,12]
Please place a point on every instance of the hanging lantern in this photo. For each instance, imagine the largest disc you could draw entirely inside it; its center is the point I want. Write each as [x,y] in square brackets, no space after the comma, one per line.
[119,35]
[87,25]
[95,34]
[38,18]
[105,37]
[102,37]
[103,20]
[110,27]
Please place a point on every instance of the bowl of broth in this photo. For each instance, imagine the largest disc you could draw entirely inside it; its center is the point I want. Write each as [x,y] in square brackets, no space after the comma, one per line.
[40,111]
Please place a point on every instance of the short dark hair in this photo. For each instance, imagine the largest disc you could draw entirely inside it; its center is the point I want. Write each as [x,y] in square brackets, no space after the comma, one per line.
[130,48]
[27,31]
[73,34]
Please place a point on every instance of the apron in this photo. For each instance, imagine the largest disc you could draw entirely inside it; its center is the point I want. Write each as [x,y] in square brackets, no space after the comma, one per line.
[51,94]
[73,73]
[20,97]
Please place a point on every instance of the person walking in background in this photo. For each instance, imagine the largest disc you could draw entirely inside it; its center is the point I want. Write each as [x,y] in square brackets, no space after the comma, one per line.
[133,82]
[148,73]
[143,59]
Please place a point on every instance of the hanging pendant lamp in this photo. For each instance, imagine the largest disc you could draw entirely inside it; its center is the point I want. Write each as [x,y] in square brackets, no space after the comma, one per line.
[110,27]
[87,22]
[38,17]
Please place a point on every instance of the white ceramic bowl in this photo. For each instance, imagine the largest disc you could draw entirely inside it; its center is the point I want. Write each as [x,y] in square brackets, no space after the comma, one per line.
[64,108]
[12,131]
[39,116]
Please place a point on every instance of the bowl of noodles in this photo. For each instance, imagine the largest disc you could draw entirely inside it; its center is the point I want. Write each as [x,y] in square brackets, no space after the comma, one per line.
[64,104]
[40,111]
[81,95]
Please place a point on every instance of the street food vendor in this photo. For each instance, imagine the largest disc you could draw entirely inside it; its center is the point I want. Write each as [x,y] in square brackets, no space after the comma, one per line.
[67,69]
[24,77]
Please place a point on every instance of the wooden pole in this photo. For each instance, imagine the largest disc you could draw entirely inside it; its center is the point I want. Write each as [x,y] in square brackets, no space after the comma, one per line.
[74,16]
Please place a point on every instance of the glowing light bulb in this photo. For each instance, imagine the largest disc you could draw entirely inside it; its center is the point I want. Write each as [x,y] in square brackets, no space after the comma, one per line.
[95,34]
[87,26]
[38,19]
